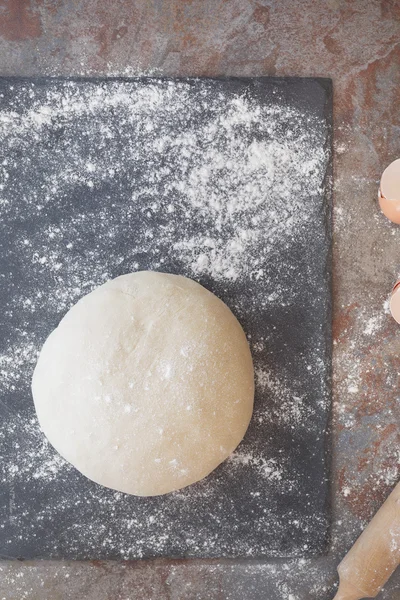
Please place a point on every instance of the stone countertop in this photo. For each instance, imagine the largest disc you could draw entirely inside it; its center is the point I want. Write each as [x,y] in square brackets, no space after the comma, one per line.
[357,44]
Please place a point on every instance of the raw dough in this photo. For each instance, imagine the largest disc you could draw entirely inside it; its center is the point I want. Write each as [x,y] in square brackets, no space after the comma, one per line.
[146,385]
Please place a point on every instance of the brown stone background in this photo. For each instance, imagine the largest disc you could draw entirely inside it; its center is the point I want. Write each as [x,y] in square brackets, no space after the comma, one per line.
[357,44]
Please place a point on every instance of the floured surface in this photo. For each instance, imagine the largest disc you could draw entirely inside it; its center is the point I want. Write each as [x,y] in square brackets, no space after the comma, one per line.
[223,181]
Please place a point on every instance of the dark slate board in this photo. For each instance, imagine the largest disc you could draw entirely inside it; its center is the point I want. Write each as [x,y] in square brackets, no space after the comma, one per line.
[86,194]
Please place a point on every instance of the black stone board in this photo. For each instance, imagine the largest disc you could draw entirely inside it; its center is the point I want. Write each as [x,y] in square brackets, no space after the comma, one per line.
[100,177]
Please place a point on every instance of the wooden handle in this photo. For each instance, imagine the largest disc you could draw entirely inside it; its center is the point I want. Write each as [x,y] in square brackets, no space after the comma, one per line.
[374,556]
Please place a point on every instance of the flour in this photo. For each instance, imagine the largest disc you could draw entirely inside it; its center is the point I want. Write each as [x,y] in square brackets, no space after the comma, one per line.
[17,359]
[219,186]
[286,407]
[268,469]
[374,324]
[367,327]
[222,175]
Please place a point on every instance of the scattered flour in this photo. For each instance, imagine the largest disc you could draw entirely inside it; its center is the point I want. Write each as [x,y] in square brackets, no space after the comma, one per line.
[374,324]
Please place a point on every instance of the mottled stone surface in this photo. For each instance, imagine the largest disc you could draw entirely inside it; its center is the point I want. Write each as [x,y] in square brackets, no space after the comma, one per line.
[356,42]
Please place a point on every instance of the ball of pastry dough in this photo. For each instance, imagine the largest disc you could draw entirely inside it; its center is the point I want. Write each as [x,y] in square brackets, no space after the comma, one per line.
[146,385]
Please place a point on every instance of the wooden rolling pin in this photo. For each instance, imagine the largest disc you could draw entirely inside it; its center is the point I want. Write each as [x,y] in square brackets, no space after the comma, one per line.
[374,556]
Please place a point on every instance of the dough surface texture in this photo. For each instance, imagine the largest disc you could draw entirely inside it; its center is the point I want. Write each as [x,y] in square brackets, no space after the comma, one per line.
[146,385]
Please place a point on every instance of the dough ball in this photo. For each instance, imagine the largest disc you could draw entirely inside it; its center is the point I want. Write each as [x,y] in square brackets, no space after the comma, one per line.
[146,385]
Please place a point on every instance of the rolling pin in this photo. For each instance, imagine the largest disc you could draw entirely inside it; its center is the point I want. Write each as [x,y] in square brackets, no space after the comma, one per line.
[374,556]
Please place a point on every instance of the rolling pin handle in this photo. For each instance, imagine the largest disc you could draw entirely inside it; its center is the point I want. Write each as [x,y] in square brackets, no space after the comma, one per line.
[375,555]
